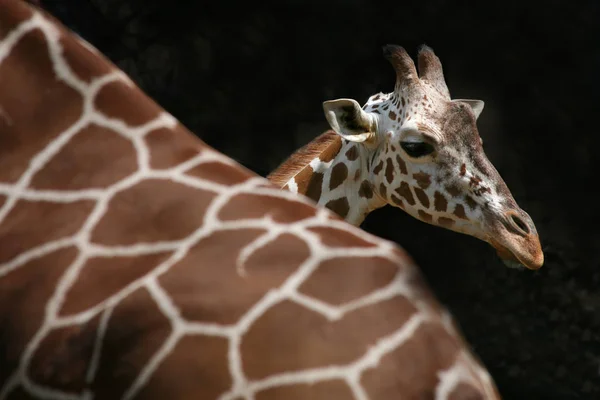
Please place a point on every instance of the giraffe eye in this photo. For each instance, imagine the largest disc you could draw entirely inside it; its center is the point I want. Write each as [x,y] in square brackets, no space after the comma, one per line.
[417,149]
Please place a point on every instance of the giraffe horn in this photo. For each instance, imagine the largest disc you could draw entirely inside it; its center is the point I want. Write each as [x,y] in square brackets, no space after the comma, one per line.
[430,69]
[404,66]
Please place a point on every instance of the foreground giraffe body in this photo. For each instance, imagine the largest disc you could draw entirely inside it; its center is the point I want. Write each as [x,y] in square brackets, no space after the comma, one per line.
[416,149]
[138,263]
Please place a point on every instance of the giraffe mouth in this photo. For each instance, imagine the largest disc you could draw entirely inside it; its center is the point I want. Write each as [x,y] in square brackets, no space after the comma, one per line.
[517,256]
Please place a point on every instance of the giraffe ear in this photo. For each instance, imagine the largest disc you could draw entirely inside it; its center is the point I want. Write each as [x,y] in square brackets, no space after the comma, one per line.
[349,120]
[476,105]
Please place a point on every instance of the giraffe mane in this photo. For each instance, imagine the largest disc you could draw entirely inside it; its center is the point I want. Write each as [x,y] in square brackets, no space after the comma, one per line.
[302,157]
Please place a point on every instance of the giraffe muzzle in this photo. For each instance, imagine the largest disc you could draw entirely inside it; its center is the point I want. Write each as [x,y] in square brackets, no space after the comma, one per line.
[517,241]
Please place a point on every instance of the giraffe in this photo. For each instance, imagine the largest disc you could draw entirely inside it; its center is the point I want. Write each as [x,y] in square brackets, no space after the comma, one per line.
[416,149]
[137,262]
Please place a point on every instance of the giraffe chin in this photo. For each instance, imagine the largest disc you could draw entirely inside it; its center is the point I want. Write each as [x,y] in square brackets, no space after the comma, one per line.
[513,261]
[513,264]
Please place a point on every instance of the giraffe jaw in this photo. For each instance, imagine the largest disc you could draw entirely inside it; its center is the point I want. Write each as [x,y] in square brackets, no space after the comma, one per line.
[516,260]
[513,264]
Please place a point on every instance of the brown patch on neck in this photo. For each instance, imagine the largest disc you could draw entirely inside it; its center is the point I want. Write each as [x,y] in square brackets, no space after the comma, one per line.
[310,183]
[378,168]
[352,153]
[339,206]
[365,190]
[326,146]
[339,173]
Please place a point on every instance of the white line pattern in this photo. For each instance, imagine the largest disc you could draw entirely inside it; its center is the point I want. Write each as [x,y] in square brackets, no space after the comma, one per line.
[288,290]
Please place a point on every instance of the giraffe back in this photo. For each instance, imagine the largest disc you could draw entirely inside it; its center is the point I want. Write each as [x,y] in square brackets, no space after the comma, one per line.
[138,262]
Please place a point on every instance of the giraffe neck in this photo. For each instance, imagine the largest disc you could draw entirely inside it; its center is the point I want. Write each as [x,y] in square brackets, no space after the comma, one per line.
[335,173]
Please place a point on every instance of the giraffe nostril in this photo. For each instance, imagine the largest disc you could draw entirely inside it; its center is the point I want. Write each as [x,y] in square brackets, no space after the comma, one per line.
[520,224]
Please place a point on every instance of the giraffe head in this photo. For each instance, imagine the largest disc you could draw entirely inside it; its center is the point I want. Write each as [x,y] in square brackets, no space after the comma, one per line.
[425,156]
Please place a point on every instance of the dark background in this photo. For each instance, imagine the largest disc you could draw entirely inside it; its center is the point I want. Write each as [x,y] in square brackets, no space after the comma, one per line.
[250,79]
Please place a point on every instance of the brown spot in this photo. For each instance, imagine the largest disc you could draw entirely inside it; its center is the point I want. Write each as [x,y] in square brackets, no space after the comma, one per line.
[481,190]
[425,97]
[248,206]
[33,223]
[368,275]
[63,357]
[377,96]
[357,175]
[453,190]
[211,268]
[397,201]
[289,337]
[463,170]
[25,291]
[389,170]
[465,391]
[83,62]
[95,158]
[403,101]
[325,390]
[401,164]
[136,330]
[392,115]
[12,16]
[392,148]
[352,153]
[422,196]
[383,190]
[339,206]
[423,179]
[474,181]
[445,222]
[339,173]
[439,202]
[153,210]
[197,365]
[377,111]
[459,211]
[333,237]
[470,202]
[429,350]
[218,172]
[378,167]
[365,190]
[36,106]
[169,148]
[309,183]
[115,99]
[404,191]
[102,277]
[425,216]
